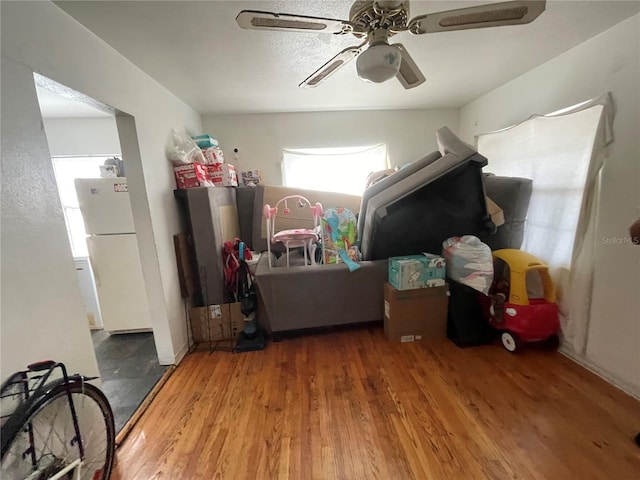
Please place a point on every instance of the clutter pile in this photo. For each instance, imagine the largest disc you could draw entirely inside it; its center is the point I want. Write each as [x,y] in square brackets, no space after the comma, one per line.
[427,234]
[199,162]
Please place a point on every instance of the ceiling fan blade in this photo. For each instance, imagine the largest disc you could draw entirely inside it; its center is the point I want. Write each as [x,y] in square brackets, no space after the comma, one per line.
[491,15]
[329,68]
[409,74]
[257,20]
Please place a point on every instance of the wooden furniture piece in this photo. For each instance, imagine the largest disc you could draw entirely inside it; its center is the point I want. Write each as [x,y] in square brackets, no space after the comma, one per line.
[211,217]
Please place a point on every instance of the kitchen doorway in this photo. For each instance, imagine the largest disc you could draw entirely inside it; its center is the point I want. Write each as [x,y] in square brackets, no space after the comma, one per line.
[90,176]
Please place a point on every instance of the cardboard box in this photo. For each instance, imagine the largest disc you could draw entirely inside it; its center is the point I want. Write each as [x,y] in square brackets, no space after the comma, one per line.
[222,174]
[251,177]
[412,315]
[417,271]
[191,175]
[496,213]
[224,322]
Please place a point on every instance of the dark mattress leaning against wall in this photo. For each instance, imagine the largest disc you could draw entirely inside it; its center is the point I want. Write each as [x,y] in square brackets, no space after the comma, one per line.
[415,213]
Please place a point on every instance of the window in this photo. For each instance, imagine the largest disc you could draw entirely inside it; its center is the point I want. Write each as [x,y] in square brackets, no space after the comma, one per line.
[563,153]
[66,170]
[342,170]
[555,152]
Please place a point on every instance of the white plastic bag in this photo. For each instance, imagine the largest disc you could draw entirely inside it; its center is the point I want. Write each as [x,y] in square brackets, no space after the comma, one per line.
[213,155]
[182,149]
[469,262]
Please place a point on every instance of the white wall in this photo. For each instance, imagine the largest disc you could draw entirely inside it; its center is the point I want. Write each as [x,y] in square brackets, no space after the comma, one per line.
[82,136]
[608,62]
[260,138]
[42,38]
[42,309]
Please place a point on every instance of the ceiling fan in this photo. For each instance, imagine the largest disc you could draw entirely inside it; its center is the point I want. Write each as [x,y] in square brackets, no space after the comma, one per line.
[376,21]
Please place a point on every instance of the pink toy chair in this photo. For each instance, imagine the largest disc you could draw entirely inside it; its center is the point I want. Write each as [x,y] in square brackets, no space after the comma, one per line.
[296,237]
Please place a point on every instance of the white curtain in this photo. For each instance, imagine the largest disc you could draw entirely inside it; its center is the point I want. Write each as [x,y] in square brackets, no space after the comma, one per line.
[342,170]
[563,153]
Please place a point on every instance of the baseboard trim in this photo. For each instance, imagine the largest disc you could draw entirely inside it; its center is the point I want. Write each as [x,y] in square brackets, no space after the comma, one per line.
[181,354]
[629,389]
[174,359]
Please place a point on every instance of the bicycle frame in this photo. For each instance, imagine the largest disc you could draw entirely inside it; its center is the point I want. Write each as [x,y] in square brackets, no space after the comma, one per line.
[31,396]
[76,473]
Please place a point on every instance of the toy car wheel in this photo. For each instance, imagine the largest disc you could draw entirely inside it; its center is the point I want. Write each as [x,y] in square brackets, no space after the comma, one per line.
[552,343]
[510,341]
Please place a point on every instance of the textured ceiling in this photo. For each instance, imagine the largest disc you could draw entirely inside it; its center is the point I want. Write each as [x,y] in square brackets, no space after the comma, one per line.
[197,51]
[54,105]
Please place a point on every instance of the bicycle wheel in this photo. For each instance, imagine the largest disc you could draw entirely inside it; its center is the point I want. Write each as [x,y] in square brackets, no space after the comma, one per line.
[49,427]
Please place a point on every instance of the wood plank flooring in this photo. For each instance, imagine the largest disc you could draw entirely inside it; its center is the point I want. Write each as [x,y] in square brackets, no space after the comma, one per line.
[351,405]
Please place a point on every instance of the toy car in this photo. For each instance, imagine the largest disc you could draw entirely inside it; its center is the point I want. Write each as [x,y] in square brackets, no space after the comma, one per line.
[522,301]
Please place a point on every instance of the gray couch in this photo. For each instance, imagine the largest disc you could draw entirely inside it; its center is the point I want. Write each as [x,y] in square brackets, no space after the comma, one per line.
[302,297]
[314,296]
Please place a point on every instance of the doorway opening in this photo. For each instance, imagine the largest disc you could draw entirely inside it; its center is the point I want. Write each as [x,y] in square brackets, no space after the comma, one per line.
[91,181]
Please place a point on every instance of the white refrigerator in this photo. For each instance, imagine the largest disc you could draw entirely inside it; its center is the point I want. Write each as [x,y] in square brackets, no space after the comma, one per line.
[114,254]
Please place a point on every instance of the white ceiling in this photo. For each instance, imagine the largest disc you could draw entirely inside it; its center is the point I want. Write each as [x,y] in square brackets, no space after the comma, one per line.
[196,50]
[55,105]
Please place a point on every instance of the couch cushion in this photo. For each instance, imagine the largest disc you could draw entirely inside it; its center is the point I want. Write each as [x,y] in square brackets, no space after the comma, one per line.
[442,196]
[390,180]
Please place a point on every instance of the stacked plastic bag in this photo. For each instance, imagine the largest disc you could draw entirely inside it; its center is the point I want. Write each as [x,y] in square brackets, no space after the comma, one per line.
[183,150]
[469,262]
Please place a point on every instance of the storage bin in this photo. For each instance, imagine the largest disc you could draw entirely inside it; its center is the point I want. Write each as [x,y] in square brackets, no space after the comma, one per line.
[466,324]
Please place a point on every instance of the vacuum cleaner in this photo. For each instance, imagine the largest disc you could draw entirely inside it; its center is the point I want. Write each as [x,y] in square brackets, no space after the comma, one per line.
[251,338]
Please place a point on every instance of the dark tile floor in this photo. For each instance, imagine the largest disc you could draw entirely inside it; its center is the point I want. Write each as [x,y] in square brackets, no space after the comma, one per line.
[129,369]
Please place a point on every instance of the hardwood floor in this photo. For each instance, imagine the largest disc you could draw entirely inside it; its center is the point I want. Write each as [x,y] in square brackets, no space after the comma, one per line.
[351,405]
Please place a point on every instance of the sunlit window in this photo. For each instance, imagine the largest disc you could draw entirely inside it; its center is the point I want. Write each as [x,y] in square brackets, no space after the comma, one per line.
[342,170]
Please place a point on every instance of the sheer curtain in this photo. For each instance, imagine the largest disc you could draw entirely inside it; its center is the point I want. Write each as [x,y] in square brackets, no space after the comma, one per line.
[563,153]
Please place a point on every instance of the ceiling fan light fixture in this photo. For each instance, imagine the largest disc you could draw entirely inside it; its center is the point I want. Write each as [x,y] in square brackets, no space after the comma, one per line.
[379,63]
[374,22]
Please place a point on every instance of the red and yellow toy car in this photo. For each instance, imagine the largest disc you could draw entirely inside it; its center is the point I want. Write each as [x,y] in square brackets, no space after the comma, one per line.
[522,300]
